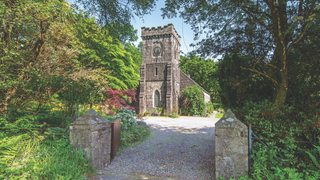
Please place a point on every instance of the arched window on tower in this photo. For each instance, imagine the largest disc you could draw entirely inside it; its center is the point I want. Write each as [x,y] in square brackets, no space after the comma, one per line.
[156,100]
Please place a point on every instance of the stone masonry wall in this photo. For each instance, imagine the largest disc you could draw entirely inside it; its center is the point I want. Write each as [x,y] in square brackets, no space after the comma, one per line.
[231,147]
[151,72]
[161,86]
[91,133]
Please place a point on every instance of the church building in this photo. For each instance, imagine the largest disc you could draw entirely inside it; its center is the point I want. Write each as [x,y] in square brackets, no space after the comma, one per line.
[161,79]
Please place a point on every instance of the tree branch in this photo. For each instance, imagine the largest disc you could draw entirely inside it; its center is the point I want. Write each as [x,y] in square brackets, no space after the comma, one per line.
[253,70]
[254,17]
[305,28]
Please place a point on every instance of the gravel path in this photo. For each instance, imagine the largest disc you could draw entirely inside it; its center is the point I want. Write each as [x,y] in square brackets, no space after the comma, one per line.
[181,148]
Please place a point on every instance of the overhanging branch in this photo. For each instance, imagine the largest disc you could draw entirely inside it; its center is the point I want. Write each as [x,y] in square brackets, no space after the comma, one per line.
[253,70]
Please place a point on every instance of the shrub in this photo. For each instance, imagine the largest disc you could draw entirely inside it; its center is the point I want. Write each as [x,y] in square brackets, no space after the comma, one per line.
[185,110]
[131,131]
[174,115]
[127,119]
[158,110]
[117,99]
[147,112]
[217,105]
[210,107]
[282,131]
[195,101]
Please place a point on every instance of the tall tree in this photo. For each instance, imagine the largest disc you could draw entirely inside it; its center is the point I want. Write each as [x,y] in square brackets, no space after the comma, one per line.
[263,31]
[116,16]
[101,50]
[32,49]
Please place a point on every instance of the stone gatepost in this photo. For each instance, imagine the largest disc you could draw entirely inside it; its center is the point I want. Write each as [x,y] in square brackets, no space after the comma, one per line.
[231,147]
[92,134]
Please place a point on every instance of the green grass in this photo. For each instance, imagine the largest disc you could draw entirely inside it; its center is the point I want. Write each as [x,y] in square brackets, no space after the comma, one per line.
[219,115]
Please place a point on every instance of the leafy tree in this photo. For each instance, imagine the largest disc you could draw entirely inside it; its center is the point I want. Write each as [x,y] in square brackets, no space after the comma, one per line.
[136,54]
[239,86]
[27,54]
[115,16]
[193,95]
[203,72]
[263,31]
[100,50]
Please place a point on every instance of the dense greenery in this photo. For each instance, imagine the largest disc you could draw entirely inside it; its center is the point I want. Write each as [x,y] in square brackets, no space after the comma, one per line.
[264,32]
[202,71]
[269,75]
[210,107]
[102,50]
[53,63]
[193,96]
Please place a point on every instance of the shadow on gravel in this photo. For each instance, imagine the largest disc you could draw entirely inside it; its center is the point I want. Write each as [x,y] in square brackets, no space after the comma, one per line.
[169,153]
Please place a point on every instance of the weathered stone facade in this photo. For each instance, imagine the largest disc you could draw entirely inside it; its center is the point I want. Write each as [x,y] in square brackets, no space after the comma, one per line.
[160,78]
[92,134]
[231,147]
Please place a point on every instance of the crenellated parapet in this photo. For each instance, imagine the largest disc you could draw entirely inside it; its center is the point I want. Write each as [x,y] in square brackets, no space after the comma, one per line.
[160,32]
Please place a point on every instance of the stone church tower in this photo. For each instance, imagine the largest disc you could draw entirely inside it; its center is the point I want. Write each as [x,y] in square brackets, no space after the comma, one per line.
[160,73]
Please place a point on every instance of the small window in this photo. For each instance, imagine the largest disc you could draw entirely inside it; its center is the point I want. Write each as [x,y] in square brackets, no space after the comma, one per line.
[156,71]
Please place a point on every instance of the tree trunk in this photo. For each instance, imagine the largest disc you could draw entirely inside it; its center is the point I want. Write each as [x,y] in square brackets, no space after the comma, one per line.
[281,88]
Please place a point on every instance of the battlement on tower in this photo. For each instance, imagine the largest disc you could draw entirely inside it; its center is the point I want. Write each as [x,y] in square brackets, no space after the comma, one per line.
[165,31]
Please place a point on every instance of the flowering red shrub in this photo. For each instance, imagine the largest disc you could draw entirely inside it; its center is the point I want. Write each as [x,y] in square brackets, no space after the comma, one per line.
[117,99]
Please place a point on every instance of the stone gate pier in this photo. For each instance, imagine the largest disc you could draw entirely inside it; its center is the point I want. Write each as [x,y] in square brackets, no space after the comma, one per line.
[231,147]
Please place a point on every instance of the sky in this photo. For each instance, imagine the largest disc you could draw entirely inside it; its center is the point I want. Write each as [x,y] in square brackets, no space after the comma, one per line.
[155,19]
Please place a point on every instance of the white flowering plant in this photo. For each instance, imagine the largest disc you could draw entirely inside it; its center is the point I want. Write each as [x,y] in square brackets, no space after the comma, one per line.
[127,119]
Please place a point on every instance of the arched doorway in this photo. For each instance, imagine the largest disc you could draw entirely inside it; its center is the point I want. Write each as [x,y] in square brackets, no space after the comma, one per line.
[156,99]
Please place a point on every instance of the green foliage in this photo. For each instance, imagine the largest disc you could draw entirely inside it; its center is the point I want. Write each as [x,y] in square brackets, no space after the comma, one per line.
[127,119]
[282,131]
[102,50]
[21,125]
[136,55]
[238,85]
[194,97]
[217,105]
[158,110]
[174,115]
[254,33]
[28,51]
[185,110]
[147,112]
[30,156]
[131,130]
[116,17]
[203,72]
[210,107]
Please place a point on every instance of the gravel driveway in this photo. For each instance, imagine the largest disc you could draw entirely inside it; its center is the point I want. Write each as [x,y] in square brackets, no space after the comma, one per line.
[181,148]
